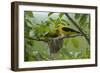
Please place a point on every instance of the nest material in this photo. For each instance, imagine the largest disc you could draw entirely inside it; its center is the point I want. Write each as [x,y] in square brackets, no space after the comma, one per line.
[55,44]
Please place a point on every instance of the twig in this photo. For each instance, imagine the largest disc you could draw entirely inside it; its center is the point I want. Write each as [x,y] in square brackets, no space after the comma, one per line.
[71,36]
[76,25]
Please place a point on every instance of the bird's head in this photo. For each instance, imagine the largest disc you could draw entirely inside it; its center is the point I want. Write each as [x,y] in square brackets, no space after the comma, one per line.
[59,25]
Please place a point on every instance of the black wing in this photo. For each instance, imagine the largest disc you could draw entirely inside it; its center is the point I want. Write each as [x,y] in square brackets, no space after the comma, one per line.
[69,30]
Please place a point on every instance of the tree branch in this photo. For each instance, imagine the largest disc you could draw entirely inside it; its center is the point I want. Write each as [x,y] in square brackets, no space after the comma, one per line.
[60,37]
[70,36]
[37,39]
[76,25]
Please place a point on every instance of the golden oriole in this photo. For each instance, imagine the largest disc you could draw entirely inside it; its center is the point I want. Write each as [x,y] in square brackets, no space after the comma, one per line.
[65,31]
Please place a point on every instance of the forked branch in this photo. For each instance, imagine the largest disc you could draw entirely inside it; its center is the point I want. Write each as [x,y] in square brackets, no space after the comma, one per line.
[79,28]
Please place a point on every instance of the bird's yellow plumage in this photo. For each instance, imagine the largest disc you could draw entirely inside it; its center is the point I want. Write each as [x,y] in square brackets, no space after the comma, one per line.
[52,34]
[65,31]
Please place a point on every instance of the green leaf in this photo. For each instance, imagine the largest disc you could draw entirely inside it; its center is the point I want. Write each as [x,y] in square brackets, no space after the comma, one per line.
[75,43]
[57,21]
[64,21]
[47,23]
[66,41]
[85,54]
[77,16]
[50,13]
[28,23]
[61,14]
[29,13]
[83,19]
[52,20]
[27,20]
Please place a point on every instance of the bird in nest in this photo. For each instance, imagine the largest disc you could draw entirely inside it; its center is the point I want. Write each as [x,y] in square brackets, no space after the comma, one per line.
[55,44]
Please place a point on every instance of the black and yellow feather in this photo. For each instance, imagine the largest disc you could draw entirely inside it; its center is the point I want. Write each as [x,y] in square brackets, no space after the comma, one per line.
[66,31]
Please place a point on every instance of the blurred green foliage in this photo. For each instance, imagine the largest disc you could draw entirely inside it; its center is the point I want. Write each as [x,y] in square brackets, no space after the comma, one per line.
[36,24]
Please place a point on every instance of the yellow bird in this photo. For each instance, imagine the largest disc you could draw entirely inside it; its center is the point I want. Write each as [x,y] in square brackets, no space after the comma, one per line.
[66,31]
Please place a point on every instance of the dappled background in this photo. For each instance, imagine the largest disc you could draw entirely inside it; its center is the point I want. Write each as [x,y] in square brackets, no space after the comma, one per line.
[37,24]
